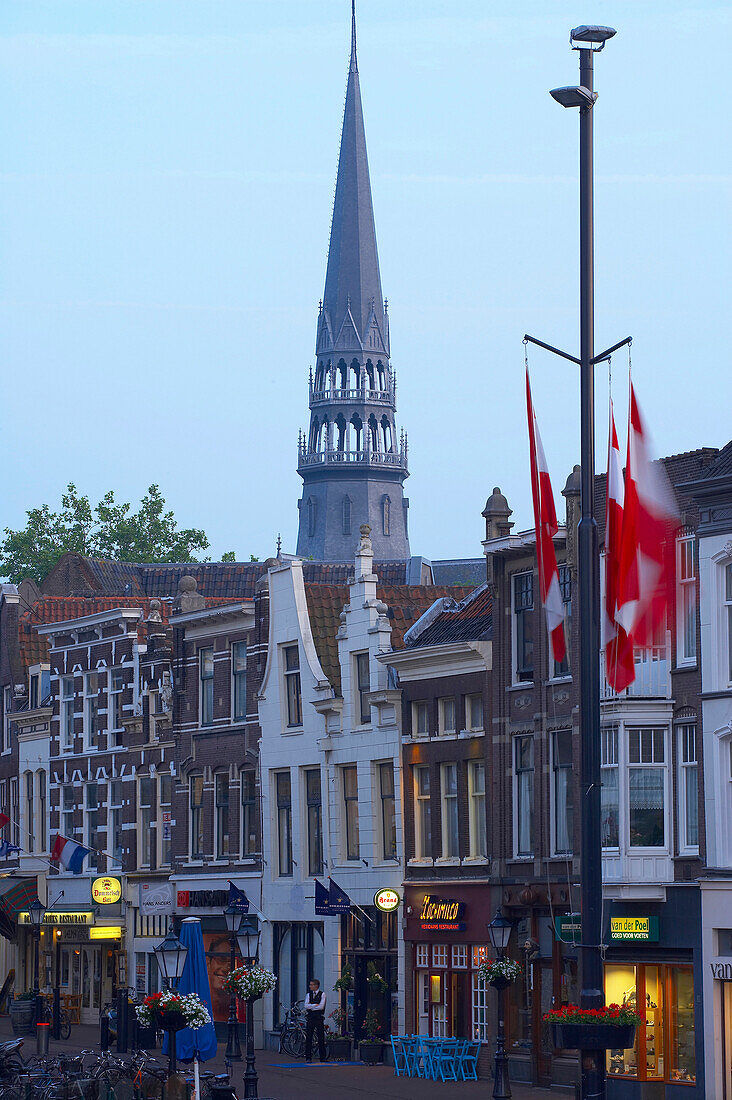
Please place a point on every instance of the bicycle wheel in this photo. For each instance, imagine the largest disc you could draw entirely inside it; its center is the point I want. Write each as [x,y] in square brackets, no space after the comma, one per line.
[65,1023]
[286,1040]
[12,1092]
[298,1043]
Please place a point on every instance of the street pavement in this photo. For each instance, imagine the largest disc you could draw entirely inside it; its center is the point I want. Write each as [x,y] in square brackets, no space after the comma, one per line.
[285,1078]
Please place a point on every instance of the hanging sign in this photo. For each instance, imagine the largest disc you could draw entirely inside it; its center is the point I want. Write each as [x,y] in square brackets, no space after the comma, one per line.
[386,900]
[60,918]
[156,898]
[634,928]
[568,928]
[106,890]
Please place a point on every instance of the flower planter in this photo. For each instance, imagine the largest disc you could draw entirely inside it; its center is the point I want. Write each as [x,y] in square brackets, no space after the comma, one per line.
[21,1017]
[593,1036]
[371,1052]
[499,982]
[339,1049]
[174,1021]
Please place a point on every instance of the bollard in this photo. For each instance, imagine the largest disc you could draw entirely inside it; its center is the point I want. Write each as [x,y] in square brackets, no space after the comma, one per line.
[104,1032]
[42,1036]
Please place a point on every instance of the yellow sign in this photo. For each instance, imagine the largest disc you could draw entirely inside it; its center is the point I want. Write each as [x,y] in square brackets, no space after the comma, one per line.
[106,890]
[386,900]
[634,928]
[60,918]
[105,932]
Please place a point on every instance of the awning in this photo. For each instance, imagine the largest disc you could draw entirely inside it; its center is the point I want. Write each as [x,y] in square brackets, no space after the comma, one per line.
[15,894]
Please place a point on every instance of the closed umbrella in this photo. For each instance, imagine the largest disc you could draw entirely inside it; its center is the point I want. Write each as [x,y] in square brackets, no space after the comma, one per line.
[201,1042]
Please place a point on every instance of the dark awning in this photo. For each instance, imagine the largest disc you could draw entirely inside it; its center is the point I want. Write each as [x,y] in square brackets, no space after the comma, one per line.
[16,894]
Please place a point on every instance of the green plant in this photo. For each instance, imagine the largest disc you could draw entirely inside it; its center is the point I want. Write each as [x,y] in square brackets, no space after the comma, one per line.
[339,1016]
[372,1025]
[616,1015]
[28,995]
[507,969]
[375,980]
[344,983]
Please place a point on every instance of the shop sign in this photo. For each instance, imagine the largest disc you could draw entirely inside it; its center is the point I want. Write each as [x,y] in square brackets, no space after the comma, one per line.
[203,899]
[386,900]
[105,932]
[721,970]
[634,928]
[441,914]
[106,890]
[156,897]
[60,918]
[568,928]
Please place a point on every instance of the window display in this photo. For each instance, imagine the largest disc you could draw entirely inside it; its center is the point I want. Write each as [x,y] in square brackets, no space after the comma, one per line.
[664,1045]
[681,1005]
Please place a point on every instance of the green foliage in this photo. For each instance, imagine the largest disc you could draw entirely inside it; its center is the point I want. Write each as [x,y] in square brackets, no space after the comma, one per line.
[372,1024]
[108,530]
[230,555]
[344,983]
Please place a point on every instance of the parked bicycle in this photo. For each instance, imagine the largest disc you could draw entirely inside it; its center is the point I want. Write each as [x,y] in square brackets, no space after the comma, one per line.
[292,1032]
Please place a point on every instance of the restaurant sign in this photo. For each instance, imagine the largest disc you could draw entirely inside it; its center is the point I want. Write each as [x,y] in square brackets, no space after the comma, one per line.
[60,918]
[441,914]
[386,900]
[634,928]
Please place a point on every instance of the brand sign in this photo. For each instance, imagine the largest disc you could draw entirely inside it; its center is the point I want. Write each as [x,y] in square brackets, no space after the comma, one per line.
[105,932]
[203,899]
[568,928]
[60,918]
[441,914]
[386,900]
[634,928]
[721,970]
[156,897]
[106,890]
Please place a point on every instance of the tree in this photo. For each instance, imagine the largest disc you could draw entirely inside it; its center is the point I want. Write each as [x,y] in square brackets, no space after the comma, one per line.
[108,530]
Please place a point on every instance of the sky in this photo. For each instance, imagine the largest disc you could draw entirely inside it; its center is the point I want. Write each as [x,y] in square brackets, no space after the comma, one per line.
[166,185]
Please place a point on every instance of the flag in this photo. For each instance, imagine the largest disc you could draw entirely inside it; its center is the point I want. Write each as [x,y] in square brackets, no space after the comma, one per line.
[322,900]
[649,514]
[545,523]
[4,819]
[238,899]
[7,849]
[338,900]
[69,854]
[619,663]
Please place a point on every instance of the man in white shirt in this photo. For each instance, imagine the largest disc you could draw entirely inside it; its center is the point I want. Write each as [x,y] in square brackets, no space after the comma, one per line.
[315,1020]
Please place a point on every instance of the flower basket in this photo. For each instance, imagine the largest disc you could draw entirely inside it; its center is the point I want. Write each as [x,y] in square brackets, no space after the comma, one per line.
[500,973]
[371,1051]
[593,1036]
[172,1011]
[171,1021]
[339,1048]
[250,983]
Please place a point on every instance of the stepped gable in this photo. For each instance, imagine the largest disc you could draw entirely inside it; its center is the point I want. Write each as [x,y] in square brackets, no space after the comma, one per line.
[469,620]
[406,603]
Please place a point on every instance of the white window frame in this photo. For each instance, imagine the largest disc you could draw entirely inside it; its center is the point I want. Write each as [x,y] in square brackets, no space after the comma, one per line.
[91,704]
[514,632]
[362,707]
[422,956]
[610,762]
[420,706]
[726,647]
[287,674]
[154,713]
[470,702]
[222,814]
[459,956]
[114,823]
[386,768]
[477,810]
[250,806]
[450,811]
[29,814]
[687,762]
[67,706]
[518,854]
[346,801]
[558,767]
[41,788]
[94,859]
[663,765]
[147,824]
[114,702]
[445,705]
[420,846]
[203,682]
[481,1009]
[686,599]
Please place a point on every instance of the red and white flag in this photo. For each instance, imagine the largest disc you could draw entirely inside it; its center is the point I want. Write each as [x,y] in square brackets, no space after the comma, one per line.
[545,522]
[4,819]
[619,663]
[649,515]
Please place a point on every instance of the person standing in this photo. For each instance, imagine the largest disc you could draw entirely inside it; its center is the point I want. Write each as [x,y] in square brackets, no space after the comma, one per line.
[315,1020]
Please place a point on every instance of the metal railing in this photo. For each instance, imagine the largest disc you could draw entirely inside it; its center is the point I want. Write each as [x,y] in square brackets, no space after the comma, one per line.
[351,458]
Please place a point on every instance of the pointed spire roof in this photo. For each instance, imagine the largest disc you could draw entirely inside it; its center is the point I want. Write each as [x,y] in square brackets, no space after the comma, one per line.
[352,277]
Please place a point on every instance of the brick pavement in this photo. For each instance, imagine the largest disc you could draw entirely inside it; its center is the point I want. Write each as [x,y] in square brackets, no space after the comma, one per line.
[284,1078]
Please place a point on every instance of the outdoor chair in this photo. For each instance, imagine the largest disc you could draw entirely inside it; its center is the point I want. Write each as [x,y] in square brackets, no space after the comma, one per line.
[467,1060]
[411,1052]
[444,1060]
[398,1047]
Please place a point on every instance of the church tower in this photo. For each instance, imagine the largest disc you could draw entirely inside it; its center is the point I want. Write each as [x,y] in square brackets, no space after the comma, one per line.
[352,462]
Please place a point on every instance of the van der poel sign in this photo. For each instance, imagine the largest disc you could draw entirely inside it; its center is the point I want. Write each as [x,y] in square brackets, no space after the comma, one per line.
[441,914]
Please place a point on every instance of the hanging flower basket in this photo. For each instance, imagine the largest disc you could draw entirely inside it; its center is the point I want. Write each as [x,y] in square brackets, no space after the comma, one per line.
[609,1028]
[172,1011]
[250,983]
[500,972]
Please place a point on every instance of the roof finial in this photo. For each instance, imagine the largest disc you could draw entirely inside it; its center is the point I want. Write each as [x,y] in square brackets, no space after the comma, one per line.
[279,545]
[354,63]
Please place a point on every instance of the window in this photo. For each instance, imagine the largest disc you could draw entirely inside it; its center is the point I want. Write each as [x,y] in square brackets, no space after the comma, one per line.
[685,602]
[476,794]
[646,787]
[524,794]
[364,687]
[423,815]
[728,610]
[114,829]
[154,714]
[523,634]
[312,510]
[116,683]
[350,800]
[91,707]
[450,832]
[29,801]
[561,668]
[474,713]
[420,720]
[165,820]
[664,1047]
[446,710]
[346,515]
[93,839]
[7,708]
[239,679]
[460,956]
[195,793]
[33,697]
[481,1007]
[423,954]
[563,792]
[221,797]
[14,827]
[292,685]
[284,822]
[42,789]
[67,713]
[386,515]
[314,800]
[248,814]
[206,685]
[147,819]
[610,807]
[68,803]
[388,811]
[688,787]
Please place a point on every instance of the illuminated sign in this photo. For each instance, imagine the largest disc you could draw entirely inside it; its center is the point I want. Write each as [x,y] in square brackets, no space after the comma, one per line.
[105,932]
[386,900]
[106,890]
[634,928]
[441,914]
[60,918]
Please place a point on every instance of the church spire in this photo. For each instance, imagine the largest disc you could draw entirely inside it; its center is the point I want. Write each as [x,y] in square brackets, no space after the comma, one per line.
[354,62]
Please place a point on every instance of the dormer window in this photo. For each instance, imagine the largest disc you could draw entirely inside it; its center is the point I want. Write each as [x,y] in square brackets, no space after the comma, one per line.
[292,685]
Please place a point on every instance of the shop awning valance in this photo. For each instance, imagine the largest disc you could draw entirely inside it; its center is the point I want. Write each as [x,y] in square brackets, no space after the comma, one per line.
[15,894]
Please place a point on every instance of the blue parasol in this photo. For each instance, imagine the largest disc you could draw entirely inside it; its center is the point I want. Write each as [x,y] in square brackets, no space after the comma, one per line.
[200,1042]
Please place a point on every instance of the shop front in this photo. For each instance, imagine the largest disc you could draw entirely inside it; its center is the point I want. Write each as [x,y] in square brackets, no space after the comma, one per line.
[716,895]
[653,964]
[369,951]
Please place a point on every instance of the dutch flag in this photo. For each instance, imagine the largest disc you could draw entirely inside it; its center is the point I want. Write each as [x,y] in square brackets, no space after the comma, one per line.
[69,854]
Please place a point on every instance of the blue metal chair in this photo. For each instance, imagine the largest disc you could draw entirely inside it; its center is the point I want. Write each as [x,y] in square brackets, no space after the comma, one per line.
[467,1060]
[411,1050]
[444,1063]
[400,1055]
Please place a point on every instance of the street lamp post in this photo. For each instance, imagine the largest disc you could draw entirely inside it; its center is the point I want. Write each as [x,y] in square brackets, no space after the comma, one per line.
[36,913]
[248,938]
[171,955]
[233,917]
[499,931]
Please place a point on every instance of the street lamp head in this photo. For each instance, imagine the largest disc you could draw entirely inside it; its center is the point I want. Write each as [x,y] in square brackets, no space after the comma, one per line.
[232,916]
[36,913]
[248,938]
[171,955]
[590,36]
[574,96]
[499,931]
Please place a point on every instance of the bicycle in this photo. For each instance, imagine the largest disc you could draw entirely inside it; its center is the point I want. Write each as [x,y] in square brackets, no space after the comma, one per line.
[64,1018]
[292,1032]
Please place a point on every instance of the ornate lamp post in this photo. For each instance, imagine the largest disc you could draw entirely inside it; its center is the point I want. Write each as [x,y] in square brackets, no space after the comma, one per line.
[171,955]
[233,918]
[36,913]
[499,931]
[248,938]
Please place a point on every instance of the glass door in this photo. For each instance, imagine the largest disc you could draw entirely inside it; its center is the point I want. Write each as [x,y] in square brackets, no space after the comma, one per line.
[90,965]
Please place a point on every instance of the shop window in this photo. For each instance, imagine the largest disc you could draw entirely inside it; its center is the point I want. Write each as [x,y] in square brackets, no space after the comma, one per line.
[609,793]
[388,811]
[364,687]
[420,719]
[292,685]
[221,796]
[423,813]
[523,632]
[480,1008]
[681,1019]
[239,680]
[422,957]
[350,811]
[646,786]
[249,829]
[284,822]
[474,713]
[664,1043]
[476,792]
[446,710]
[459,956]
[524,794]
[685,602]
[314,800]
[562,791]
[688,788]
[206,685]
[450,828]
[561,668]
[439,955]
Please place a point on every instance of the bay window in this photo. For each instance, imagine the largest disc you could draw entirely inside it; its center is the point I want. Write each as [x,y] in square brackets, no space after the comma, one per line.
[646,787]
[524,794]
[688,788]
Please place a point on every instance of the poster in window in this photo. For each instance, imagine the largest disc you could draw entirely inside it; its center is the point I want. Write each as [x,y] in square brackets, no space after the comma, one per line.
[217,948]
